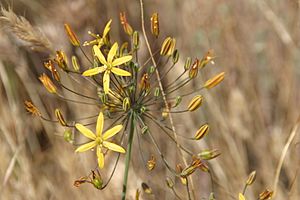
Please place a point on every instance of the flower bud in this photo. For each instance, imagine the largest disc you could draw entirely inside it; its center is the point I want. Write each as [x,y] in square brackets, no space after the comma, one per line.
[209,56]
[191,169]
[201,132]
[145,129]
[209,154]
[126,103]
[61,60]
[144,83]
[187,63]
[168,46]
[195,103]
[155,24]
[214,81]
[177,101]
[151,69]
[31,108]
[135,40]
[251,178]
[151,163]
[124,49]
[60,117]
[203,167]
[97,180]
[126,26]
[266,194]
[156,92]
[165,113]
[212,196]
[179,170]
[169,182]
[146,188]
[68,136]
[50,66]
[75,64]
[72,36]
[48,84]
[175,56]
[194,69]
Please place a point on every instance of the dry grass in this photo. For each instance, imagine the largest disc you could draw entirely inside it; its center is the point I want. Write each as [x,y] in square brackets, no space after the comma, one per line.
[251,113]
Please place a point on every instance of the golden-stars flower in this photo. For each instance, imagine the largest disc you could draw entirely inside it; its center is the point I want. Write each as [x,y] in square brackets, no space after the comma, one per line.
[109,65]
[99,39]
[99,140]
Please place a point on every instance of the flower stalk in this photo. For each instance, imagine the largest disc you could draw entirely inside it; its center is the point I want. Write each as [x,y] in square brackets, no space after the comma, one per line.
[128,154]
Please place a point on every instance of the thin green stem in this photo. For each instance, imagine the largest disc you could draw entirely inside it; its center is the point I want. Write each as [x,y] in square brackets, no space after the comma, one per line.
[128,154]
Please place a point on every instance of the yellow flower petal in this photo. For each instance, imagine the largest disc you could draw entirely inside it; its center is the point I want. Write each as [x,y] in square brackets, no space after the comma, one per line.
[120,61]
[106,29]
[241,196]
[106,82]
[85,131]
[99,126]
[113,147]
[99,55]
[111,132]
[100,157]
[112,52]
[86,146]
[94,71]
[120,72]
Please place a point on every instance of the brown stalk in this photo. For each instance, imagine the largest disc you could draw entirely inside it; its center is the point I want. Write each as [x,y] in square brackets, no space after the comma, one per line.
[162,90]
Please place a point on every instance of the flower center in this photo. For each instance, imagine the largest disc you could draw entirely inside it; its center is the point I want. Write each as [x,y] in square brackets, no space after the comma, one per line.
[99,140]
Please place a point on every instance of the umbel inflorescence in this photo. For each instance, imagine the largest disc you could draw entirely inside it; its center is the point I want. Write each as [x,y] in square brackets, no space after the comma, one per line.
[130,97]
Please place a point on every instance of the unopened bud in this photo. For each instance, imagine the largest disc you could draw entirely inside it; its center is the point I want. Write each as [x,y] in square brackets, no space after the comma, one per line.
[145,129]
[195,103]
[61,60]
[169,182]
[168,46]
[146,188]
[214,81]
[75,64]
[31,108]
[60,117]
[68,136]
[191,169]
[126,26]
[201,132]
[97,180]
[251,178]
[266,194]
[175,56]
[156,92]
[135,40]
[209,154]
[177,101]
[155,24]
[72,36]
[48,84]
[151,163]
[194,69]
[126,103]
[124,49]
[187,63]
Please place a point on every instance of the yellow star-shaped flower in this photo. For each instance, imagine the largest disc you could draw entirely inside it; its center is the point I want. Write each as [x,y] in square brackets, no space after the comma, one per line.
[109,65]
[98,140]
[99,40]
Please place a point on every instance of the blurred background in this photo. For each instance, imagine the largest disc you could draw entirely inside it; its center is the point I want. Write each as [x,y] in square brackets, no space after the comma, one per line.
[251,113]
